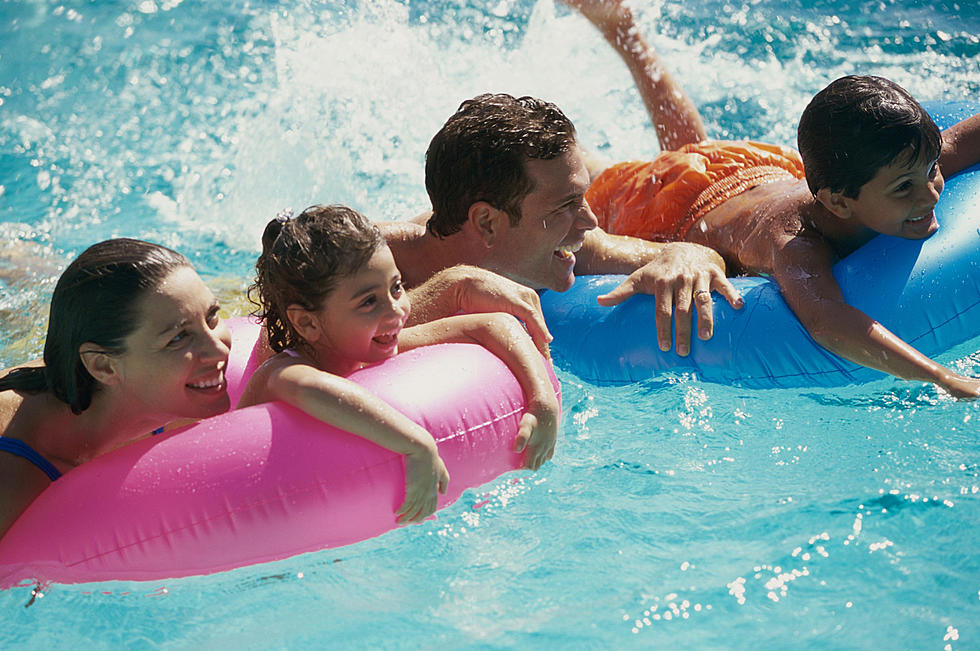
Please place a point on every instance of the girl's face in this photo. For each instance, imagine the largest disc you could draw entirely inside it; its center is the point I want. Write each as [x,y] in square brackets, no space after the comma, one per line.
[174,364]
[361,318]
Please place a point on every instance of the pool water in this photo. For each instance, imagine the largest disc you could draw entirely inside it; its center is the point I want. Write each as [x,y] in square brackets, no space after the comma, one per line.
[676,513]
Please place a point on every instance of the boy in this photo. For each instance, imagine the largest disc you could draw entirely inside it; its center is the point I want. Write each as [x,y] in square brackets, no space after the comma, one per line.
[872,158]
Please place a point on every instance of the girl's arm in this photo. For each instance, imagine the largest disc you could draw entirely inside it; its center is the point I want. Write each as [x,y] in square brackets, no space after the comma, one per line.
[345,404]
[803,270]
[961,146]
[503,335]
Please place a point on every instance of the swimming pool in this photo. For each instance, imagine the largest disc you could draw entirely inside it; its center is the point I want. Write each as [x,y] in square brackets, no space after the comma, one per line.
[676,513]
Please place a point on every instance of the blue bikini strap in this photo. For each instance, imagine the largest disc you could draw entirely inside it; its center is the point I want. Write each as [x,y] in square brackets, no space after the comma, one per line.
[21,449]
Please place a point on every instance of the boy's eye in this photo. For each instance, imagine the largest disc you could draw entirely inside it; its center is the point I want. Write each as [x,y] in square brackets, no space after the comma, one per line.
[904,187]
[934,171]
[178,338]
[213,318]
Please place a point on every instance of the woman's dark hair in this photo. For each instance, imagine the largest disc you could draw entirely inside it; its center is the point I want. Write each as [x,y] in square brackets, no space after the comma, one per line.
[96,300]
[480,155]
[857,125]
[302,260]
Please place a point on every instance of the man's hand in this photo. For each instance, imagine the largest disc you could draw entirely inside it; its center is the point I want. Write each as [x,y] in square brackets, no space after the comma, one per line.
[474,290]
[682,274]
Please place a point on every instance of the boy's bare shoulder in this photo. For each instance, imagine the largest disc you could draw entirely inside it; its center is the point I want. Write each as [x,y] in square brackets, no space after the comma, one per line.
[747,229]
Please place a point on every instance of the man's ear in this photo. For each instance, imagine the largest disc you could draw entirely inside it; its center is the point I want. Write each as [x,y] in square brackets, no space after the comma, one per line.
[835,202]
[486,222]
[304,322]
[99,363]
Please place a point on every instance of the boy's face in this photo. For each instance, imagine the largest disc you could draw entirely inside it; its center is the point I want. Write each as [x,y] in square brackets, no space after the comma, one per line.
[900,198]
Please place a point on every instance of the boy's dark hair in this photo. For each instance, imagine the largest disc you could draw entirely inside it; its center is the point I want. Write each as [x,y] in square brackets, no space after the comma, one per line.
[479,155]
[302,260]
[857,125]
[96,300]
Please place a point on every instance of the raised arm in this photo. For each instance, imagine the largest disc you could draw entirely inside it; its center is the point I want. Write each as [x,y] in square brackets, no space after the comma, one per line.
[961,146]
[803,271]
[678,274]
[345,404]
[502,335]
[464,288]
[672,112]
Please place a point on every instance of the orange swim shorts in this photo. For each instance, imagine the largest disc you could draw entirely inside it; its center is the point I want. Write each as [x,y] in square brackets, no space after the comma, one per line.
[662,199]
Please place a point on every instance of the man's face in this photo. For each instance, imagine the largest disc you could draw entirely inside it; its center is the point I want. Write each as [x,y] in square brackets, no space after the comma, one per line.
[540,250]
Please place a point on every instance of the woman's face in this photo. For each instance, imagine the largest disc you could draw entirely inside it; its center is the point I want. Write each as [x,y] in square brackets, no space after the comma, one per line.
[174,362]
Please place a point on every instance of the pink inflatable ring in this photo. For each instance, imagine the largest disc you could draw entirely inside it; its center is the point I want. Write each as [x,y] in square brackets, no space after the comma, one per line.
[266,482]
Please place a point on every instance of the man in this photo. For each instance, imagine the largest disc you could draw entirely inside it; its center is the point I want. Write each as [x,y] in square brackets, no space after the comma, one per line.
[507,180]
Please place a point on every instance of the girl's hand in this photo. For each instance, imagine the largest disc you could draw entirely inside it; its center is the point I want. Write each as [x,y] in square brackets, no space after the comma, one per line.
[425,477]
[538,431]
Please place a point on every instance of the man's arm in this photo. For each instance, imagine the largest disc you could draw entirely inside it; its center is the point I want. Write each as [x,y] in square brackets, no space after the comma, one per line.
[677,274]
[803,270]
[464,288]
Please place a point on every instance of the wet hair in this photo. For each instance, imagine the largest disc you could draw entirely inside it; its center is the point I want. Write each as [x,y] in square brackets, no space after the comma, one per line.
[97,300]
[480,154]
[302,260]
[857,125]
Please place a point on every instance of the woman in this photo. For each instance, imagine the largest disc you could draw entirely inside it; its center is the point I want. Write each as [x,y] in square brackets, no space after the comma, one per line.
[134,342]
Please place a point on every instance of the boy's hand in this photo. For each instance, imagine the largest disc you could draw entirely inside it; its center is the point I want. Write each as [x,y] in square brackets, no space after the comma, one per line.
[425,477]
[537,433]
[962,387]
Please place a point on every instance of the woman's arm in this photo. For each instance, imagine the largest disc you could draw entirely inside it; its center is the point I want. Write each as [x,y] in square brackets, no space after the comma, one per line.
[345,404]
[503,335]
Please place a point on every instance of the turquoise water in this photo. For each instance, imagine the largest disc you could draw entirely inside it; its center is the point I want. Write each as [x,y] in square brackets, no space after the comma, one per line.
[676,513]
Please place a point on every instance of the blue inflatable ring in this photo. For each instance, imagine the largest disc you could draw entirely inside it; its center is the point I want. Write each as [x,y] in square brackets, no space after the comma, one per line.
[926,291]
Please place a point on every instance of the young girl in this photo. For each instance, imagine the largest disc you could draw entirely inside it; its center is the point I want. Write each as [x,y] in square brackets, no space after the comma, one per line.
[332,300]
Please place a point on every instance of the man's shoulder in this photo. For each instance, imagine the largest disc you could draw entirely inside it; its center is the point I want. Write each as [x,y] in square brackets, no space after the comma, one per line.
[401,232]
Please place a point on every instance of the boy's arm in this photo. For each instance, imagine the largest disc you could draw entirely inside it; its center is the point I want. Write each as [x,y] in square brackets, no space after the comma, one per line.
[961,146]
[502,335]
[676,273]
[802,266]
[345,404]
[671,111]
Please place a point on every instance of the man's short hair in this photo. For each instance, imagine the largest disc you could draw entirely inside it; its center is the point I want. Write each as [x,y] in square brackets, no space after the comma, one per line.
[857,125]
[480,154]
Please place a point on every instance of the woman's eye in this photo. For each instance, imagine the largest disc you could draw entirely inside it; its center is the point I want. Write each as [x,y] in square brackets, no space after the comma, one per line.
[213,318]
[178,338]
[397,289]
[369,301]
[904,187]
